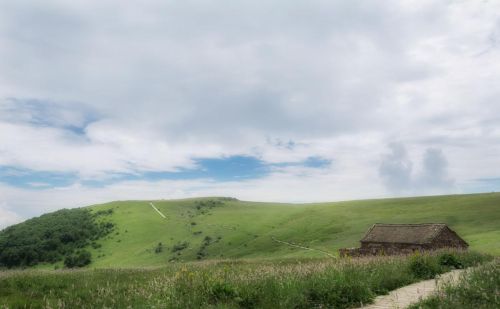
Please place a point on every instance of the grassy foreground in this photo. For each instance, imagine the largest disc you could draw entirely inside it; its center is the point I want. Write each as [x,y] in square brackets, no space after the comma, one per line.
[313,283]
[479,289]
[219,228]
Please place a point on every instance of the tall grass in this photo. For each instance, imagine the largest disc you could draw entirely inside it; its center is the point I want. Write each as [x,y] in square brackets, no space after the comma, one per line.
[478,288]
[322,283]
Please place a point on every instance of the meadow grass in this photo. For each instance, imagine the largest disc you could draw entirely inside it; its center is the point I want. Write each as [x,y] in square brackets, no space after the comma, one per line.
[478,288]
[288,283]
[240,229]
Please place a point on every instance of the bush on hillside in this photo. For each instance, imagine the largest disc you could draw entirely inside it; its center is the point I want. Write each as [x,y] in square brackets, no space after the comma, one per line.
[50,237]
[202,253]
[159,248]
[79,259]
[180,246]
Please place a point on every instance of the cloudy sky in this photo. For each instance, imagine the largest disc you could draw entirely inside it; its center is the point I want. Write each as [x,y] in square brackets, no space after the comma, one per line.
[293,101]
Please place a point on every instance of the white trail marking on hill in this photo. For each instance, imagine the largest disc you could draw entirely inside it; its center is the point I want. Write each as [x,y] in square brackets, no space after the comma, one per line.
[407,295]
[302,247]
[159,212]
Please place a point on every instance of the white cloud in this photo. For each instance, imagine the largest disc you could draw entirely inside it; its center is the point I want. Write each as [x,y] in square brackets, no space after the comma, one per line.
[162,83]
[8,217]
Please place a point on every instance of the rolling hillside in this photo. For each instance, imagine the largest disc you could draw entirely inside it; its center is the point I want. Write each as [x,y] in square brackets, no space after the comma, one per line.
[214,228]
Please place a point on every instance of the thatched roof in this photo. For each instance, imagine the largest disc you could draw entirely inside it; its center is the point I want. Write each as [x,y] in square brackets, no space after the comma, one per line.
[403,233]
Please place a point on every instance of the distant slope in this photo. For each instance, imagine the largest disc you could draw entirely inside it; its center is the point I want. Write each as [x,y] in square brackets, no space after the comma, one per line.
[210,228]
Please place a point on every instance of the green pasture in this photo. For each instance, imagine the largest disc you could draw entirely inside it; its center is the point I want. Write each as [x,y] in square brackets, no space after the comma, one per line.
[240,229]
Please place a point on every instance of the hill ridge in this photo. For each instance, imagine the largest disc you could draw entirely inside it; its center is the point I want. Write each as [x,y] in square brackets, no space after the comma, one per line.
[226,228]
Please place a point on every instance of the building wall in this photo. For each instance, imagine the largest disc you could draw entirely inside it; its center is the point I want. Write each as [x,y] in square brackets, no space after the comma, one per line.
[448,239]
[374,248]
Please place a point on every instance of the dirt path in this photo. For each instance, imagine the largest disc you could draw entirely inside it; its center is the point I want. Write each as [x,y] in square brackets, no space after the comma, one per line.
[405,296]
[302,247]
[159,212]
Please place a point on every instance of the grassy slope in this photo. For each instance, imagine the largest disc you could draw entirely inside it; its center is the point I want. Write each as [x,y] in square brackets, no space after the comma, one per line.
[246,228]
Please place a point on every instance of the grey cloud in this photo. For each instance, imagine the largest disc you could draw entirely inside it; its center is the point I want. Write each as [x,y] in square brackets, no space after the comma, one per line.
[396,171]
[396,168]
[45,113]
[434,174]
[321,68]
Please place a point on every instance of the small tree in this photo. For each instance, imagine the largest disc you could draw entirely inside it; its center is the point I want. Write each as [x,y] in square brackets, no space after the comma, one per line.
[159,248]
[80,259]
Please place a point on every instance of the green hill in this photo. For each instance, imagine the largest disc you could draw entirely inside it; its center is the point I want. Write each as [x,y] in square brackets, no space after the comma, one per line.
[215,228]
[224,228]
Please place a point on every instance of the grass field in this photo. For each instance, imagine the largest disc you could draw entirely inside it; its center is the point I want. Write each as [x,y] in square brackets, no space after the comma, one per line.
[313,283]
[238,229]
[478,288]
[223,253]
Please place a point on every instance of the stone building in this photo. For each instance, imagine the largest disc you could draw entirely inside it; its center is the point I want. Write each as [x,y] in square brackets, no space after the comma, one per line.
[392,239]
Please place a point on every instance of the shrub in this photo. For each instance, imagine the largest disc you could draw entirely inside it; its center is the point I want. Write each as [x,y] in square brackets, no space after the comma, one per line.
[222,291]
[203,247]
[349,288]
[449,260]
[106,212]
[472,258]
[80,259]
[180,246]
[384,278]
[423,266]
[159,248]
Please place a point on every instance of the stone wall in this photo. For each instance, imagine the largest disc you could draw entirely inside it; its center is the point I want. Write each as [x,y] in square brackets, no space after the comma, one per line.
[373,249]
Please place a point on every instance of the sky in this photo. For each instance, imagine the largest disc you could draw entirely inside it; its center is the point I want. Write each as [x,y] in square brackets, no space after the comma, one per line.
[287,101]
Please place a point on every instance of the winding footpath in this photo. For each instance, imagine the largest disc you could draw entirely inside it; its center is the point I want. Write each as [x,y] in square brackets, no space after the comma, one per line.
[405,296]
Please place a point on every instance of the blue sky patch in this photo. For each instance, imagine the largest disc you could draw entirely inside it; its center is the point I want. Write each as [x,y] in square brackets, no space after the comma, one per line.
[311,162]
[232,168]
[484,185]
[316,162]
